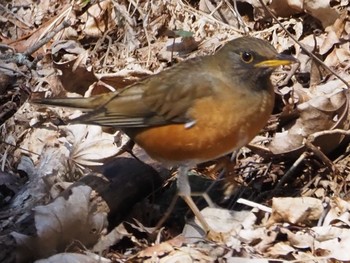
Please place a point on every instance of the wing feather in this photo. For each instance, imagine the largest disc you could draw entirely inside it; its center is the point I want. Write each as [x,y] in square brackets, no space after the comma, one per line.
[158,100]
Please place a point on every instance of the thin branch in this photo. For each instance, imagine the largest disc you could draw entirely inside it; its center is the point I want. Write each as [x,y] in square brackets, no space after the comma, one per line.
[18,147]
[22,58]
[189,8]
[47,38]
[254,205]
[317,152]
[13,71]
[291,172]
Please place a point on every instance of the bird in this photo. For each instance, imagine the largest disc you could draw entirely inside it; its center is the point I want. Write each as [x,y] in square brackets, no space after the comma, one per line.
[198,110]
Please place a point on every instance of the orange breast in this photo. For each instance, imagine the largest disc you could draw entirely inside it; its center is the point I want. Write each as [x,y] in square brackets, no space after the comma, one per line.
[221,127]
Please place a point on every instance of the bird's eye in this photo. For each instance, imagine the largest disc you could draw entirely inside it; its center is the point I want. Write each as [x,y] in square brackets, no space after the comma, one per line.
[247,57]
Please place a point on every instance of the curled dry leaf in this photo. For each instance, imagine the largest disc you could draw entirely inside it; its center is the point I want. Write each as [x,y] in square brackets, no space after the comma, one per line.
[331,40]
[283,42]
[70,58]
[201,255]
[81,223]
[38,141]
[310,42]
[340,56]
[120,79]
[321,10]
[286,8]
[225,222]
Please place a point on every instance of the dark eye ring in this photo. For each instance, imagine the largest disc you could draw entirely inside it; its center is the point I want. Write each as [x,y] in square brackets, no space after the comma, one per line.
[247,57]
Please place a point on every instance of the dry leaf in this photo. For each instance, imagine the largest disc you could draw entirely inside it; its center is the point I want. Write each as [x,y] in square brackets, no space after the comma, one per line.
[225,221]
[74,258]
[162,248]
[300,239]
[321,10]
[99,18]
[323,112]
[70,58]
[300,210]
[280,249]
[57,229]
[332,242]
[90,145]
[338,214]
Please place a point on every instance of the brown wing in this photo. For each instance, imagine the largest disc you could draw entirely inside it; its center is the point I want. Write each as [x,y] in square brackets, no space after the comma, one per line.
[161,99]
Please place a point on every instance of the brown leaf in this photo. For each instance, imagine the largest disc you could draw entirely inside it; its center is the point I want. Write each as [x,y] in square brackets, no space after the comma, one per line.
[296,210]
[99,18]
[323,112]
[92,146]
[334,242]
[57,229]
[162,248]
[70,59]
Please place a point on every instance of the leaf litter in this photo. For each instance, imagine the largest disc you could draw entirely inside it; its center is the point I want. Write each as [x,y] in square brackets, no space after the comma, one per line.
[298,166]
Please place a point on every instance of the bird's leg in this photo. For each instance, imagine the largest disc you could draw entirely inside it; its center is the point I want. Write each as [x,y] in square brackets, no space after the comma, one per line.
[183,185]
[184,189]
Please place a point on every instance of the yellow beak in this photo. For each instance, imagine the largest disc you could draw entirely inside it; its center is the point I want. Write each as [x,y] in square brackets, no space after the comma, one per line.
[280,60]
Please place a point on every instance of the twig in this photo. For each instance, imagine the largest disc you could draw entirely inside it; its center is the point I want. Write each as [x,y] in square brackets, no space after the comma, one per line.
[63,16]
[144,25]
[137,7]
[22,58]
[198,12]
[47,38]
[216,8]
[13,70]
[16,16]
[289,173]
[167,213]
[317,152]
[302,46]
[313,136]
[18,147]
[238,15]
[108,50]
[290,74]
[254,205]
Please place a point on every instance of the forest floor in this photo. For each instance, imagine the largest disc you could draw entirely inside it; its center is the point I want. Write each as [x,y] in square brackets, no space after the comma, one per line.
[75,193]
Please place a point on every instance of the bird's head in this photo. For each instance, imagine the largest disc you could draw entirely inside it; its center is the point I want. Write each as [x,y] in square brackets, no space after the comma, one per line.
[252,59]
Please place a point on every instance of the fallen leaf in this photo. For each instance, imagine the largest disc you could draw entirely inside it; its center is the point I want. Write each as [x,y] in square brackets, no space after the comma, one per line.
[299,210]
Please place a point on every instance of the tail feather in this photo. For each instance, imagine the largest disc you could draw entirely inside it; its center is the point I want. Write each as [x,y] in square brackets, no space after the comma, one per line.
[85,104]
